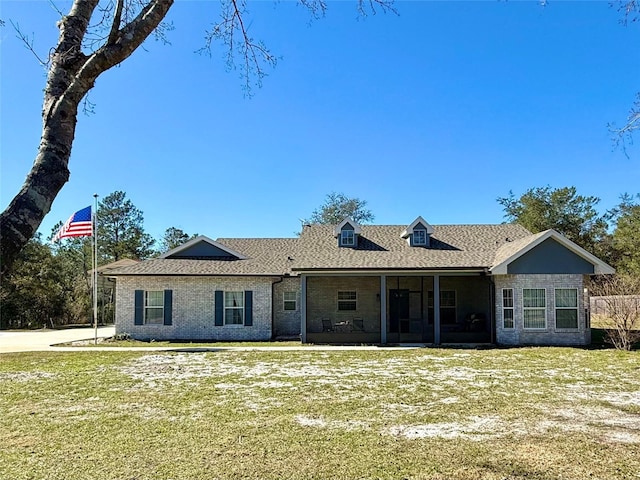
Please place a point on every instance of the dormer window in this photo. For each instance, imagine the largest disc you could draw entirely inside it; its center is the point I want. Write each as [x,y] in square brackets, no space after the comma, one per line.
[420,237]
[418,233]
[347,233]
[348,238]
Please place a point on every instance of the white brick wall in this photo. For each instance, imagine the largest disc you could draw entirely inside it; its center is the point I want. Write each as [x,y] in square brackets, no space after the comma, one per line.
[550,335]
[193,308]
[286,322]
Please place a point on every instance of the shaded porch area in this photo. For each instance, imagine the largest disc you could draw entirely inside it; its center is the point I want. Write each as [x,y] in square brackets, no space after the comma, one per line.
[398,309]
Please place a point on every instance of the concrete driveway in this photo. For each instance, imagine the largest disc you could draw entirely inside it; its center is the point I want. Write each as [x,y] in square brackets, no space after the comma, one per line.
[39,340]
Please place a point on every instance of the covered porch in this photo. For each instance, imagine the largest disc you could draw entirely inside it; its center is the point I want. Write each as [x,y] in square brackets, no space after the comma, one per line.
[407,308]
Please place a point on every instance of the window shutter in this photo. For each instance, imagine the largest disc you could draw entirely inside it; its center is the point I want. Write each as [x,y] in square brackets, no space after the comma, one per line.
[168,306]
[248,308]
[219,308]
[138,317]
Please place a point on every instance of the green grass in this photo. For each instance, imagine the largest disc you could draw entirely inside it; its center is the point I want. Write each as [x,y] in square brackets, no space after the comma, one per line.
[530,413]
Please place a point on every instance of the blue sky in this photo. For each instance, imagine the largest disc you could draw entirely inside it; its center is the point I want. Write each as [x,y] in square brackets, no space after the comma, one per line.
[434,112]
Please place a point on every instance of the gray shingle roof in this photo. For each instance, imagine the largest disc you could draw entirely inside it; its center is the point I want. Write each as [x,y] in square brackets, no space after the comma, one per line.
[265,256]
[381,247]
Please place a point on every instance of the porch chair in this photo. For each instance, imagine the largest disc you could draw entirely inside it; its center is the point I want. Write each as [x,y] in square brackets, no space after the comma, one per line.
[327,326]
[357,325]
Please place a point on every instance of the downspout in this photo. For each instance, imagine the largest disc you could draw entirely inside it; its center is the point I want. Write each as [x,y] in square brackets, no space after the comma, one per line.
[273,307]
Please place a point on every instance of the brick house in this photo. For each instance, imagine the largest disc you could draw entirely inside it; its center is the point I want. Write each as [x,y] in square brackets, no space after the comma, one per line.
[353,283]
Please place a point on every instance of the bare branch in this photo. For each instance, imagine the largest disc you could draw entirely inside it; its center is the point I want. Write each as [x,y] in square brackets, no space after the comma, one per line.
[28,42]
[253,54]
[88,107]
[623,136]
[370,6]
[127,40]
[115,26]
[630,10]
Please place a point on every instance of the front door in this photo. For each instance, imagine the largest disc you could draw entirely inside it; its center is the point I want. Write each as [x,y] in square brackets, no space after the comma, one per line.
[399,311]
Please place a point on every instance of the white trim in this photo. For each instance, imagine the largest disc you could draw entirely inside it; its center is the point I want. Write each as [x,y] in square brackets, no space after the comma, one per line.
[338,228]
[556,308]
[205,239]
[284,301]
[599,267]
[409,230]
[512,308]
[544,309]
[225,308]
[338,300]
[350,236]
[146,307]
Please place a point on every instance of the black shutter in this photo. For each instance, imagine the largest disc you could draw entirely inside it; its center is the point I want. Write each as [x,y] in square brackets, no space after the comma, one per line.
[168,306]
[219,308]
[248,308]
[138,317]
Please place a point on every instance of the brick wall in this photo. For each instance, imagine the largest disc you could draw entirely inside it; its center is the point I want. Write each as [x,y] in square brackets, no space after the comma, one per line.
[549,335]
[322,301]
[286,322]
[193,308]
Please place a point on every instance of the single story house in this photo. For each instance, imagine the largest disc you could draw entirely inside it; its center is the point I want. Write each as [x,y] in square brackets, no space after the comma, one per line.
[351,283]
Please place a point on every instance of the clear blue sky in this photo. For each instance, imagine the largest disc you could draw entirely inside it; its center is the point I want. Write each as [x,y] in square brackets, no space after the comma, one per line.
[435,112]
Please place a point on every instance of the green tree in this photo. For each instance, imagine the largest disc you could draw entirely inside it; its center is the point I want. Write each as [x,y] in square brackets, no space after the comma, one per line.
[174,237]
[562,209]
[626,236]
[120,230]
[336,207]
[38,291]
[95,36]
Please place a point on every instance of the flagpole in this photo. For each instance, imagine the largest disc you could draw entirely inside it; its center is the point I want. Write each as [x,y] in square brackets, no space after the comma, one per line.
[95,270]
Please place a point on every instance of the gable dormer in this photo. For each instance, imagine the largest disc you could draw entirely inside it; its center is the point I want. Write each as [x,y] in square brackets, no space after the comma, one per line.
[203,248]
[347,233]
[418,233]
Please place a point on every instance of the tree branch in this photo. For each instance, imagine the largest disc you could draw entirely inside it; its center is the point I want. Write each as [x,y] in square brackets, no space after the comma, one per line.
[115,26]
[623,136]
[28,43]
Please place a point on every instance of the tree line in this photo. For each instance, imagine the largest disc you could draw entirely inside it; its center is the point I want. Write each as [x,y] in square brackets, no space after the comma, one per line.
[613,235]
[50,283]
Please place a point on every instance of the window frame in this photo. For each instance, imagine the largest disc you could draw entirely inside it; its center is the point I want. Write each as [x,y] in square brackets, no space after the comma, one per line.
[536,308]
[508,308]
[342,302]
[347,233]
[423,233]
[230,309]
[286,301]
[575,308]
[147,307]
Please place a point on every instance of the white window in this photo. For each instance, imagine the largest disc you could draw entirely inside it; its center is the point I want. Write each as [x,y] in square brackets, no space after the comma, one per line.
[347,300]
[534,305]
[234,308]
[290,301]
[566,308]
[420,237]
[154,307]
[348,237]
[507,308]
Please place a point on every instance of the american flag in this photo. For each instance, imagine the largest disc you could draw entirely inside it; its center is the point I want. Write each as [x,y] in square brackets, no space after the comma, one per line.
[78,225]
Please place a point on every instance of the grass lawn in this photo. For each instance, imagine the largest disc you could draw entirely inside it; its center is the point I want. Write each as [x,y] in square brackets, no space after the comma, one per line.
[530,413]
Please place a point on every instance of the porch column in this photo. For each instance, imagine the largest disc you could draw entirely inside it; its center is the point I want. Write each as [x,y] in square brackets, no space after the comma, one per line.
[303,308]
[436,309]
[383,309]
